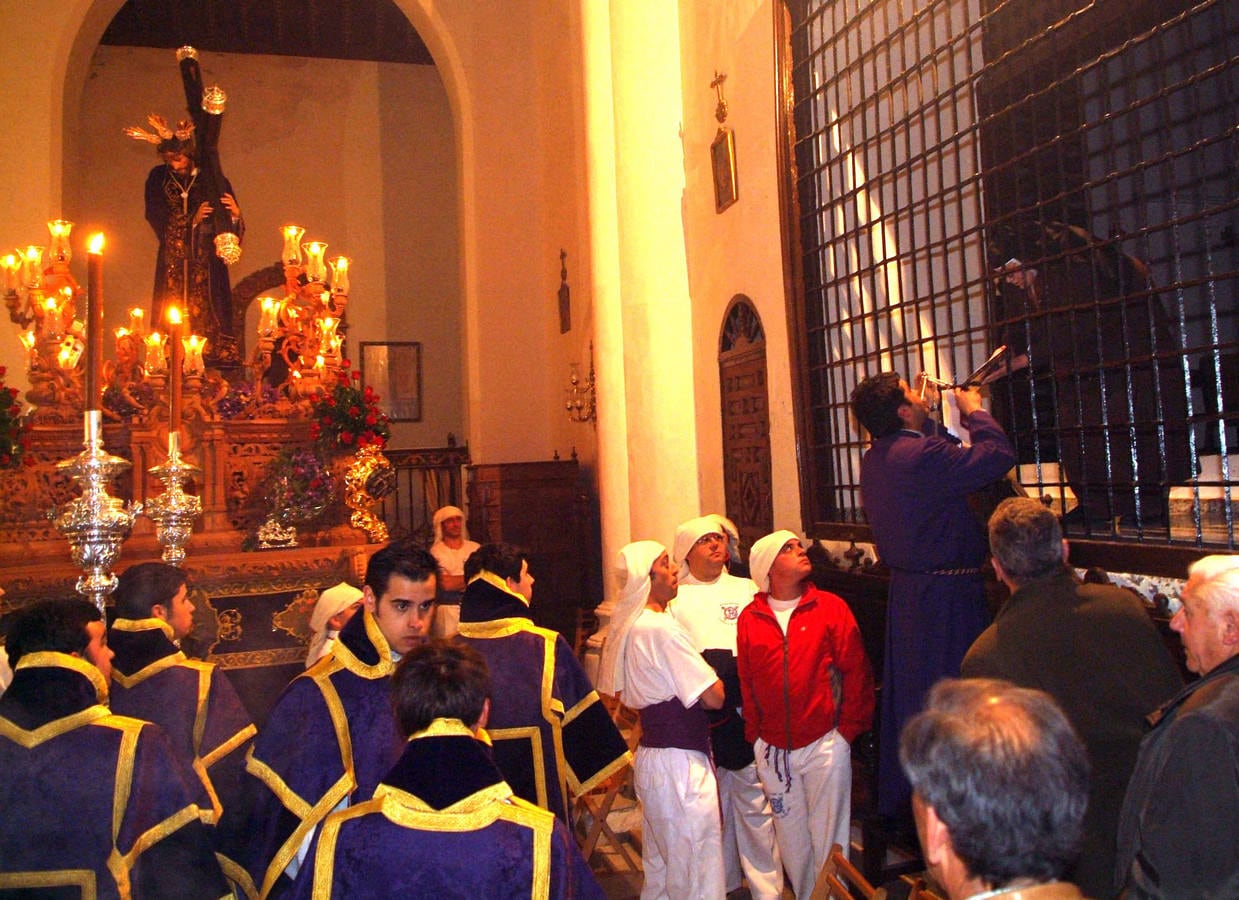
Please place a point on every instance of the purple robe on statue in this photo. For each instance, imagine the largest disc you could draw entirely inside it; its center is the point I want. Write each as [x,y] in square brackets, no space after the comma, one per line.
[914,490]
[92,803]
[444,824]
[330,738]
[553,737]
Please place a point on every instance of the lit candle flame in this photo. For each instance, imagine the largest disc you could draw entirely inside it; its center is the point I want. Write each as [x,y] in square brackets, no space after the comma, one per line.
[174,316]
[95,244]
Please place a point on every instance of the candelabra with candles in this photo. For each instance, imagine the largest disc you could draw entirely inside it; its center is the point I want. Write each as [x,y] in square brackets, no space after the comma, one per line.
[581,397]
[41,296]
[95,523]
[306,328]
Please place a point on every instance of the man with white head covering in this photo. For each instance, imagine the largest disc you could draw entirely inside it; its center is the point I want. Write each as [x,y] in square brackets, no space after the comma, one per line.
[808,693]
[334,608]
[708,606]
[649,661]
[451,548]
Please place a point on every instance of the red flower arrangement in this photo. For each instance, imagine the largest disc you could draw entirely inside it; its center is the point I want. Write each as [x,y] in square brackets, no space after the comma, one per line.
[14,428]
[348,416]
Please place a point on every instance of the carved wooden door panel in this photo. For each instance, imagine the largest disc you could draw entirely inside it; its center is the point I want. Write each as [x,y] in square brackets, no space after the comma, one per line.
[746,422]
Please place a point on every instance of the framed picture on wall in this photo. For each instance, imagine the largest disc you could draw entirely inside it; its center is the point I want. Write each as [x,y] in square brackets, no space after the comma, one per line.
[394,370]
[723,160]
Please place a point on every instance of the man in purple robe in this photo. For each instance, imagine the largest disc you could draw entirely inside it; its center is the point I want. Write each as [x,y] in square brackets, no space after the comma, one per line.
[191,700]
[92,804]
[443,822]
[331,736]
[914,482]
[554,739]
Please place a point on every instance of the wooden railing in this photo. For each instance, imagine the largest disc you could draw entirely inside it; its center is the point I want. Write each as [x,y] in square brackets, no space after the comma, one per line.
[425,480]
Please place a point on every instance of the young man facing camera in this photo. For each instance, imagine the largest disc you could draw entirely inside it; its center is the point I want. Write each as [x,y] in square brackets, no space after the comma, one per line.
[331,737]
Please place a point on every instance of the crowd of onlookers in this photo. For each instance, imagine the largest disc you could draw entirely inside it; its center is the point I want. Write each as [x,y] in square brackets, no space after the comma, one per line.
[438,737]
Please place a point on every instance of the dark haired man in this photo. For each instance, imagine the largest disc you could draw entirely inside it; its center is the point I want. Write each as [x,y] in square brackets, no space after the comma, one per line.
[191,700]
[1091,647]
[443,822]
[93,803]
[552,734]
[914,483]
[1000,782]
[331,736]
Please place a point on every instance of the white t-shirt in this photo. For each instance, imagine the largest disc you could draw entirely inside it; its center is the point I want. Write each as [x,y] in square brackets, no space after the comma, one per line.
[660,662]
[452,559]
[709,610]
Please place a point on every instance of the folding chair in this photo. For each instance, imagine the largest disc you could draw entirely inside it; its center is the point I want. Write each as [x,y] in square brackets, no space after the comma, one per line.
[597,804]
[840,880]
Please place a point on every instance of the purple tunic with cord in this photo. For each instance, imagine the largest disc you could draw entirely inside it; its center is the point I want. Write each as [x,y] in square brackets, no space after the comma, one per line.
[914,489]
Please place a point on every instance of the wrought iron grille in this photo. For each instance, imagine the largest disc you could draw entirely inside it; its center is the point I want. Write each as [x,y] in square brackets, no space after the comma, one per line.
[1059,177]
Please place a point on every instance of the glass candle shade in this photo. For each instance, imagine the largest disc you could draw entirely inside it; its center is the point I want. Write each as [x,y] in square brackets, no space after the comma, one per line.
[292,244]
[155,364]
[32,267]
[315,267]
[339,275]
[194,345]
[59,250]
[268,317]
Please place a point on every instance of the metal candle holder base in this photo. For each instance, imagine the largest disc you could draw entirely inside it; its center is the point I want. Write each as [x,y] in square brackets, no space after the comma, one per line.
[96,523]
[174,511]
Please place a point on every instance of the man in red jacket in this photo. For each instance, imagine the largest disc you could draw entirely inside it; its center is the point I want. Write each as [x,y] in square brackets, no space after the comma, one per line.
[808,693]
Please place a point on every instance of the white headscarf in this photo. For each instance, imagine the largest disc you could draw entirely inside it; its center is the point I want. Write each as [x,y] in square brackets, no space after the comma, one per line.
[732,534]
[331,603]
[633,566]
[689,533]
[761,557]
[449,512]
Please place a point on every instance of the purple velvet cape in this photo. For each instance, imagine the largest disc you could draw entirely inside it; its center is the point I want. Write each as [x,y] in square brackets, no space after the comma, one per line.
[539,688]
[61,752]
[444,824]
[305,760]
[191,700]
[914,489]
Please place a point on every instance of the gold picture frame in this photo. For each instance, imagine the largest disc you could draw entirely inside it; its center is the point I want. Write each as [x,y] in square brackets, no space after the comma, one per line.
[723,163]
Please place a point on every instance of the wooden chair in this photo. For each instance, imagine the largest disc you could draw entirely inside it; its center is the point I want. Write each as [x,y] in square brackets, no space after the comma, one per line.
[597,804]
[840,880]
[919,890]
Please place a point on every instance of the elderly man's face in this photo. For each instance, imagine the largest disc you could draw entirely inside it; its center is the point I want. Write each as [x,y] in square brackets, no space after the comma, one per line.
[1203,632]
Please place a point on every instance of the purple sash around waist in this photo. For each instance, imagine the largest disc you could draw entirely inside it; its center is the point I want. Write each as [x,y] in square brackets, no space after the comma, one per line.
[670,724]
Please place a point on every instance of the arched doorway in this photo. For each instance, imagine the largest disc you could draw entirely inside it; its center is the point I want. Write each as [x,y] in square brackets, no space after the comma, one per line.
[745,408]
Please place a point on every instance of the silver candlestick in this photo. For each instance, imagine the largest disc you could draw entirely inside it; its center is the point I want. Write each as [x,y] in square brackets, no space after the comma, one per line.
[96,523]
[174,511]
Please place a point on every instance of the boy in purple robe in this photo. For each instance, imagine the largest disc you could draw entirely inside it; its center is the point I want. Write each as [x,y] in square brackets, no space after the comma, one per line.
[94,804]
[443,822]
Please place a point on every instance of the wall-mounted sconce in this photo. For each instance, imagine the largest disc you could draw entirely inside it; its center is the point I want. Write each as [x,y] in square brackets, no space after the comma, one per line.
[581,399]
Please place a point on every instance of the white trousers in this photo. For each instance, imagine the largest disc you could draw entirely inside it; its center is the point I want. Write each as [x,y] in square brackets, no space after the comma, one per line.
[748,834]
[810,793]
[681,835]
